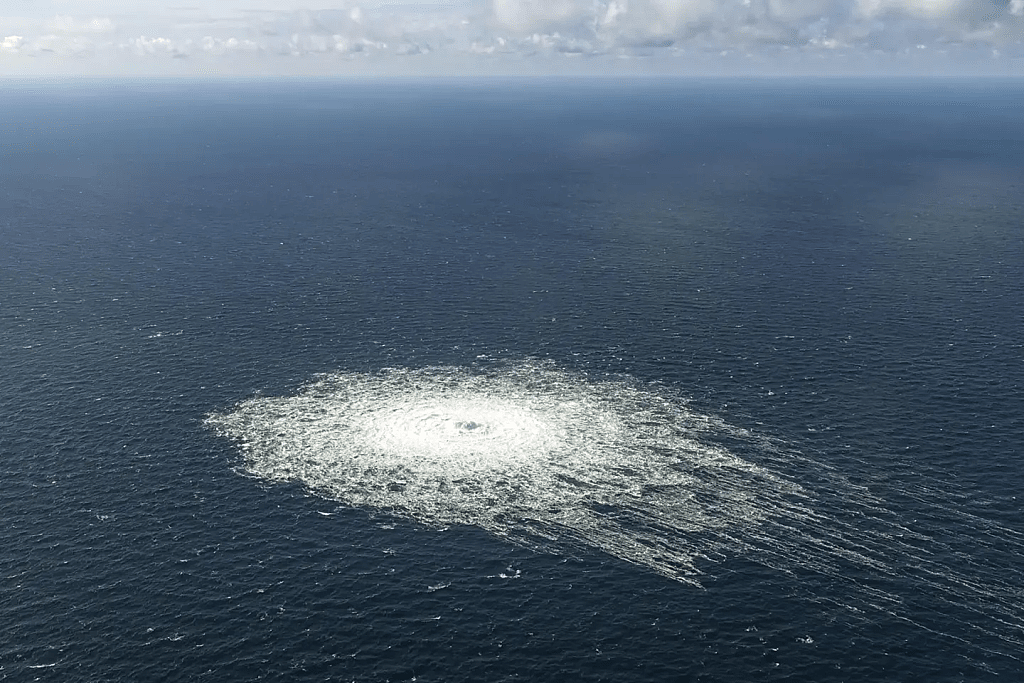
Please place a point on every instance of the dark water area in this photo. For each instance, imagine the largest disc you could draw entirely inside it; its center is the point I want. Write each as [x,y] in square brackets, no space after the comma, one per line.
[837,266]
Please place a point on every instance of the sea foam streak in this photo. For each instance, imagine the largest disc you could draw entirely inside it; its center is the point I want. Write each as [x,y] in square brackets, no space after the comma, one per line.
[554,459]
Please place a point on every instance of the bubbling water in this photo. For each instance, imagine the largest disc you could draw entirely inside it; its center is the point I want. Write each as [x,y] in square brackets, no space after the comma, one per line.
[531,453]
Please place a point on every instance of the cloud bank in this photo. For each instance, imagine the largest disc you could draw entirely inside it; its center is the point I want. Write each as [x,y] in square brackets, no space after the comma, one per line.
[221,37]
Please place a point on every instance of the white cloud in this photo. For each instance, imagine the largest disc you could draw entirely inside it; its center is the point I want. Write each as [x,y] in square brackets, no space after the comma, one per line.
[151,46]
[525,35]
[12,44]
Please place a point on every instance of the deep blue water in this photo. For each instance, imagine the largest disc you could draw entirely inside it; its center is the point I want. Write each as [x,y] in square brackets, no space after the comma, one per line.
[838,266]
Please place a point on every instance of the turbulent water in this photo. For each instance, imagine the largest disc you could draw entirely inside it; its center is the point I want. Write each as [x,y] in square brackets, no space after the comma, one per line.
[529,453]
[659,381]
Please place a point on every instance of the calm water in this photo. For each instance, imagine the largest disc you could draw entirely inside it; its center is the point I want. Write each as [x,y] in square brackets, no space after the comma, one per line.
[831,275]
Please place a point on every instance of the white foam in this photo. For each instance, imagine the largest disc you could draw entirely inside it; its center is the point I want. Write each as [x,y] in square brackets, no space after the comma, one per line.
[531,453]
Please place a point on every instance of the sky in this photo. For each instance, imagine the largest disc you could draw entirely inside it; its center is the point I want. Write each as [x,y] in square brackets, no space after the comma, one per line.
[353,38]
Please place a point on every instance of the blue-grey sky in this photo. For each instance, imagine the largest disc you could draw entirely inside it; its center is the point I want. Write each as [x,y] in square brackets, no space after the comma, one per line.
[535,37]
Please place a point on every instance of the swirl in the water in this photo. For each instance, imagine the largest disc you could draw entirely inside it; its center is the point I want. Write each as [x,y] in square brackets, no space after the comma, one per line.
[557,460]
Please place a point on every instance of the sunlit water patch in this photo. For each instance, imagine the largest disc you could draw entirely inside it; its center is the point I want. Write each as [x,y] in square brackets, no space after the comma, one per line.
[557,460]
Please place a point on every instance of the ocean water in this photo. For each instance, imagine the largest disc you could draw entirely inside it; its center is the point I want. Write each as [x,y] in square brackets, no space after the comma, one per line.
[512,380]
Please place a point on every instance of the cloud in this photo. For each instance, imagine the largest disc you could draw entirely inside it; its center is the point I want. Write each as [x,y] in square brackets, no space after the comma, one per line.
[730,23]
[144,45]
[12,44]
[533,35]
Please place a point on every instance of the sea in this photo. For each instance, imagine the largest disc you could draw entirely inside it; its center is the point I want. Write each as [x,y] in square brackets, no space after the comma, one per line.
[512,380]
